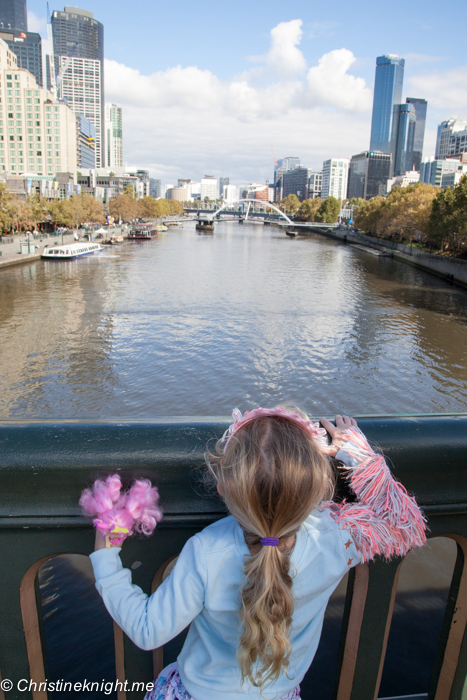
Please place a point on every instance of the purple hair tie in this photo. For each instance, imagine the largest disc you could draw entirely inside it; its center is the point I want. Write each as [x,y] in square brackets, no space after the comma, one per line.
[271,541]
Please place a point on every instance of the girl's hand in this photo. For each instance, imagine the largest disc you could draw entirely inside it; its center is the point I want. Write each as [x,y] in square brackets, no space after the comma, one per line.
[99,542]
[337,432]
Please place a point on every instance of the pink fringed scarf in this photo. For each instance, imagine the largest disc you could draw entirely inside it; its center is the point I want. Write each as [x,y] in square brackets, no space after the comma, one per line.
[385,520]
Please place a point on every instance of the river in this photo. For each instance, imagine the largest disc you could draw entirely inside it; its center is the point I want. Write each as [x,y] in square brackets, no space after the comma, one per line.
[192,324]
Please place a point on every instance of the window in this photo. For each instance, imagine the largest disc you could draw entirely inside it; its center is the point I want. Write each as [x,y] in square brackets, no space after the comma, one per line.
[36,100]
[37,131]
[17,92]
[28,100]
[36,93]
[9,92]
[30,138]
[19,138]
[38,153]
[56,131]
[56,109]
[38,123]
[48,108]
[48,131]
[56,138]
[48,123]
[18,123]
[19,131]
[28,92]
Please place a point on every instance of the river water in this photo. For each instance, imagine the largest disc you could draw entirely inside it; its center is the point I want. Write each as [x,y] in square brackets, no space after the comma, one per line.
[192,324]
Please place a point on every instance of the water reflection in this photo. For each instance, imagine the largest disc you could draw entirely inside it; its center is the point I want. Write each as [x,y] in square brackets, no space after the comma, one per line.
[194,325]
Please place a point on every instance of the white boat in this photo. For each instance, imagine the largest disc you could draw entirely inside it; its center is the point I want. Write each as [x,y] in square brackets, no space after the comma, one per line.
[74,250]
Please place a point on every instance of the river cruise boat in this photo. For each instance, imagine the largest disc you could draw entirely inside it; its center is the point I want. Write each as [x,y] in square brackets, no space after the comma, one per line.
[74,250]
[142,232]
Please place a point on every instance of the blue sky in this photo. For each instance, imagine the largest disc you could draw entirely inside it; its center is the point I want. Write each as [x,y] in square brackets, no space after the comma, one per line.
[208,88]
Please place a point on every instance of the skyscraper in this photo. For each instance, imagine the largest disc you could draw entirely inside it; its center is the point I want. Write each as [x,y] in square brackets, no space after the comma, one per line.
[419,137]
[27,46]
[335,178]
[113,136]
[13,15]
[402,140]
[78,45]
[389,77]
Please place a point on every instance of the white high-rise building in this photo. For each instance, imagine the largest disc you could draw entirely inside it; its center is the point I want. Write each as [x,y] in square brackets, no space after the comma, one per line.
[230,193]
[38,134]
[81,88]
[451,139]
[208,187]
[335,178]
[113,136]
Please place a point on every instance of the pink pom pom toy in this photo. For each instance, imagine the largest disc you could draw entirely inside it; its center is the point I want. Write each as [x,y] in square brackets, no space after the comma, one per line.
[120,514]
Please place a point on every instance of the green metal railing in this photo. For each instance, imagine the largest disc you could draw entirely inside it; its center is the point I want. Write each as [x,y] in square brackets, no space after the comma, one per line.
[45,465]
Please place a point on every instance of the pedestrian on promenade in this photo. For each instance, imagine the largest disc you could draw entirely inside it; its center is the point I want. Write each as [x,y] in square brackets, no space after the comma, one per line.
[254,586]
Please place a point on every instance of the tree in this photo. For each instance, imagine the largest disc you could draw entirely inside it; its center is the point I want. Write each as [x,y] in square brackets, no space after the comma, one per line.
[291,203]
[309,209]
[124,207]
[329,210]
[130,191]
[5,207]
[447,226]
[76,210]
[368,213]
[406,213]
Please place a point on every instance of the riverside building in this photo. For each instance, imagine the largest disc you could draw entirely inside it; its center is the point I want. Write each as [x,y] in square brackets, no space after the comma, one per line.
[315,185]
[402,138]
[442,173]
[78,46]
[368,174]
[335,178]
[37,133]
[113,136]
[451,139]
[208,187]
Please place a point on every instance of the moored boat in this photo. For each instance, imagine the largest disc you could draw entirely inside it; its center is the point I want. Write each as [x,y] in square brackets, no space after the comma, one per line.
[161,227]
[74,250]
[142,232]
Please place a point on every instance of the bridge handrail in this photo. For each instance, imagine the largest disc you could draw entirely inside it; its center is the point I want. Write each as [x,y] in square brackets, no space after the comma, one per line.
[45,465]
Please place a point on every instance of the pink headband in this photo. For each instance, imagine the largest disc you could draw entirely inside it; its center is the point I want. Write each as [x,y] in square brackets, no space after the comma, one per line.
[313,429]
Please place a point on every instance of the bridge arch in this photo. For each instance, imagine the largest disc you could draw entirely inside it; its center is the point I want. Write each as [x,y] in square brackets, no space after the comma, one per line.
[250,201]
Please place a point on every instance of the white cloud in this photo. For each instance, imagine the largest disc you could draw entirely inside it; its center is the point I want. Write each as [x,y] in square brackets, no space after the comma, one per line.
[445,90]
[284,58]
[328,83]
[36,24]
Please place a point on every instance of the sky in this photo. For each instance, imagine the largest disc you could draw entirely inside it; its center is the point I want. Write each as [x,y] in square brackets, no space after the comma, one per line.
[217,88]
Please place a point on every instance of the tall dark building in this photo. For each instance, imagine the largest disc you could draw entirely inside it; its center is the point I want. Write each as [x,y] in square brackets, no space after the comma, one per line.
[223,182]
[13,15]
[368,174]
[78,42]
[27,46]
[420,121]
[402,141]
[28,49]
[296,182]
[389,77]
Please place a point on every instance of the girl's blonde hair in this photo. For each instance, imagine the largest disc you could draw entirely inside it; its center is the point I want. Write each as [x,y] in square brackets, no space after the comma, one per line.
[271,476]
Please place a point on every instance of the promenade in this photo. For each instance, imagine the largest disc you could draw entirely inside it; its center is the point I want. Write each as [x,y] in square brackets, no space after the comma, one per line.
[10,252]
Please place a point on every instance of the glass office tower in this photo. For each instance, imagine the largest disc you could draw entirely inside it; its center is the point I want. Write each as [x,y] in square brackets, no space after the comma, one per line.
[403,138]
[420,113]
[13,15]
[388,92]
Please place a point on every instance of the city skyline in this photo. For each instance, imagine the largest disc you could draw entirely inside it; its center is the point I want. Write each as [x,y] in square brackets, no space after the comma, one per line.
[213,116]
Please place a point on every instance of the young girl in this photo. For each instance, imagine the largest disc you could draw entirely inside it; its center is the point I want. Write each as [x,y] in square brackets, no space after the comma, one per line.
[254,586]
